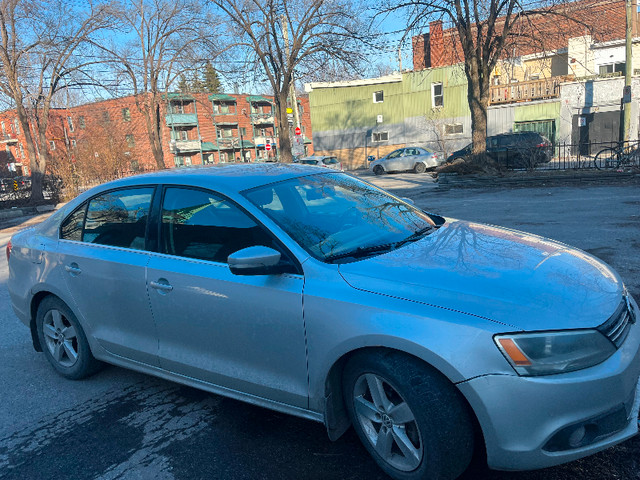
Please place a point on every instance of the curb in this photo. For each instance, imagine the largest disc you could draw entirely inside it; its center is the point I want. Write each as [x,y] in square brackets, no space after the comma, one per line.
[446,181]
[25,211]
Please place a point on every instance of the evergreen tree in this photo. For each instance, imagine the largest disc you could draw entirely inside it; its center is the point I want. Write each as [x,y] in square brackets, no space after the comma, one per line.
[211,79]
[183,85]
[197,85]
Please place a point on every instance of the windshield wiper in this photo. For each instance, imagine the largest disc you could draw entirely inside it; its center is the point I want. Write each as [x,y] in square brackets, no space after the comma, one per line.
[362,252]
[415,236]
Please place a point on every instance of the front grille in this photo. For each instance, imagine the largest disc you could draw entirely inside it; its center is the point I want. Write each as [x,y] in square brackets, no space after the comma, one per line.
[617,327]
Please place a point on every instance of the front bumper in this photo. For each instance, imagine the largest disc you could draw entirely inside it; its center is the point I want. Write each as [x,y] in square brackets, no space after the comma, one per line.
[523,417]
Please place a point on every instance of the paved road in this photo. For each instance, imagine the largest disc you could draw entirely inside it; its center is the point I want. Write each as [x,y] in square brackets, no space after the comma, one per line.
[121,424]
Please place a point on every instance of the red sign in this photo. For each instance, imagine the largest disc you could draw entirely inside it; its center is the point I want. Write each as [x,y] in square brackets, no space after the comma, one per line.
[267,147]
[298,131]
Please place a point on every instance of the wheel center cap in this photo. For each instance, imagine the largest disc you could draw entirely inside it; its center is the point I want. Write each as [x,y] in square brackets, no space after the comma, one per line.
[386,420]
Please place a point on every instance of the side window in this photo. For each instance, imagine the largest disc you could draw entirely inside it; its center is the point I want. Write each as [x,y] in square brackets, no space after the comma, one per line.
[71,228]
[395,154]
[199,224]
[118,218]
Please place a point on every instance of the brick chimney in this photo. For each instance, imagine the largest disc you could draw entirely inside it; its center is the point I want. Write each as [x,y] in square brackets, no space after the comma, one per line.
[436,44]
[420,44]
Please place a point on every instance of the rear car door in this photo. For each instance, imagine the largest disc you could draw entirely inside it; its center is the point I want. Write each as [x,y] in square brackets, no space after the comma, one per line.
[102,251]
[244,333]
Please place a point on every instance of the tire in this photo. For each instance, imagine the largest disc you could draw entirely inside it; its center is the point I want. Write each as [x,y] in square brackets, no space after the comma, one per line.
[63,340]
[419,167]
[426,429]
[607,158]
[378,170]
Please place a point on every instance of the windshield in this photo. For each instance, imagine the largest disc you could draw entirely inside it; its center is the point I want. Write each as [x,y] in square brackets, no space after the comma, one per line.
[337,218]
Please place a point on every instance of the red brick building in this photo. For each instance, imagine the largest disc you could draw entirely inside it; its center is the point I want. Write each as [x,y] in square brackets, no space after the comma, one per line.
[197,128]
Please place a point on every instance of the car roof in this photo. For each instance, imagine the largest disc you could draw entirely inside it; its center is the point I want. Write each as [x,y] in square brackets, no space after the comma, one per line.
[317,157]
[224,178]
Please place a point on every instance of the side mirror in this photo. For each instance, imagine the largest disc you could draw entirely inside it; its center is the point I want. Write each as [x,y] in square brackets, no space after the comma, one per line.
[258,260]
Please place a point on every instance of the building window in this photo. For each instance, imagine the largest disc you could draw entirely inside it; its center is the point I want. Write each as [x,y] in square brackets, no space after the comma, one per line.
[126,115]
[225,132]
[300,109]
[131,141]
[243,131]
[52,145]
[453,128]
[21,150]
[135,166]
[378,97]
[16,124]
[82,123]
[182,161]
[221,108]
[74,144]
[4,130]
[611,68]
[105,116]
[381,137]
[70,122]
[437,98]
[176,107]
[223,157]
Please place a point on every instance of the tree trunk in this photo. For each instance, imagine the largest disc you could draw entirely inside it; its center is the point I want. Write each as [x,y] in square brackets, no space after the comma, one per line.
[478,99]
[151,111]
[37,165]
[284,143]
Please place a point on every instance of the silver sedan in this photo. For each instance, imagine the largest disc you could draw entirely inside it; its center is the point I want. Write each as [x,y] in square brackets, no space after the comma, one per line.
[313,293]
[416,159]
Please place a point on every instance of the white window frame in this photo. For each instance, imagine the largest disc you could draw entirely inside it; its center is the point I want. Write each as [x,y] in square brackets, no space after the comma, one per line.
[375,100]
[52,145]
[434,96]
[70,123]
[16,124]
[379,137]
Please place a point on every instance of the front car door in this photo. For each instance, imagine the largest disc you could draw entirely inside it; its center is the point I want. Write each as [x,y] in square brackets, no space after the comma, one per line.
[394,161]
[244,333]
[102,252]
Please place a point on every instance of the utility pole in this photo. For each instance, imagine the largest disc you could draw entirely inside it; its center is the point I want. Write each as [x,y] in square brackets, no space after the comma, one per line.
[292,88]
[626,97]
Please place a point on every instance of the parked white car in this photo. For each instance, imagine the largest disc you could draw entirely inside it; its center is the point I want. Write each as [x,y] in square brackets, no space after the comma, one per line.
[323,161]
[417,159]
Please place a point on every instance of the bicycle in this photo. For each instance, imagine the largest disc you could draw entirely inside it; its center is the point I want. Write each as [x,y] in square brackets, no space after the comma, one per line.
[619,156]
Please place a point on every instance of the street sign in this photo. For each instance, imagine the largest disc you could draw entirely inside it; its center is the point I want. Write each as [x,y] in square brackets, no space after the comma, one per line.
[289,110]
[298,131]
[267,147]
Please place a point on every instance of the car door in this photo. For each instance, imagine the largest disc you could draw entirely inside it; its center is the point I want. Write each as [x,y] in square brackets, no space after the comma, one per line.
[102,251]
[394,161]
[409,158]
[244,333]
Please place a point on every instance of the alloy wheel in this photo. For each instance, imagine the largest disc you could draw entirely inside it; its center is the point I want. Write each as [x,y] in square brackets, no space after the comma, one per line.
[388,422]
[61,338]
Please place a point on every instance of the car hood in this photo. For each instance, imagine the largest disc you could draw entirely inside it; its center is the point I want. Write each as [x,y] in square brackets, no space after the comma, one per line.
[520,280]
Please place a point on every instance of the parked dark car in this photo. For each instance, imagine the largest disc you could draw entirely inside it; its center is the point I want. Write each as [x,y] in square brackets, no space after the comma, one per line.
[522,149]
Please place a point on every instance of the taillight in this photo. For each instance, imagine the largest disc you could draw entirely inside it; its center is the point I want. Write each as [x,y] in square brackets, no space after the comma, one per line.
[8,250]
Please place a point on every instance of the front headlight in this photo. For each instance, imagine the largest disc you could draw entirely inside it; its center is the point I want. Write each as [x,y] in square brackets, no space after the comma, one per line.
[554,352]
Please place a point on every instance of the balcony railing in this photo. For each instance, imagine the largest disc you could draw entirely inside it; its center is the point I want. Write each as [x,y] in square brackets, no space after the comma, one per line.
[8,139]
[525,91]
[262,118]
[182,146]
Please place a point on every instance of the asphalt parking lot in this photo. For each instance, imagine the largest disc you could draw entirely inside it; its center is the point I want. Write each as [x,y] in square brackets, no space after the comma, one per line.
[121,424]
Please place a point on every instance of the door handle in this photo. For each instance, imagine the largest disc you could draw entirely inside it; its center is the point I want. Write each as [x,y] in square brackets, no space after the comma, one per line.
[73,269]
[161,285]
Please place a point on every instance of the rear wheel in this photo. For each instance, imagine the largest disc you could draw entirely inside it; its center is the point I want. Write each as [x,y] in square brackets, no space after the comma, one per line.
[419,167]
[411,419]
[378,170]
[63,340]
[607,158]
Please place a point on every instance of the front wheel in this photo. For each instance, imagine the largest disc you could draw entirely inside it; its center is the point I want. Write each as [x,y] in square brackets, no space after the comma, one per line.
[419,167]
[63,340]
[411,419]
[607,158]
[378,170]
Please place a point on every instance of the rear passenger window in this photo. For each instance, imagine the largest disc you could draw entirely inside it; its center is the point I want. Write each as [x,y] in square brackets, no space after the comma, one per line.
[118,218]
[71,228]
[200,225]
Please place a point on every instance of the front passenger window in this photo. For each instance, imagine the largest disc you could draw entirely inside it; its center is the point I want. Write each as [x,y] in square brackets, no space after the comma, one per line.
[198,224]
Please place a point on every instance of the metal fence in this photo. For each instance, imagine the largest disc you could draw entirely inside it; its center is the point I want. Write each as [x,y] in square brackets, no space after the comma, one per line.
[605,156]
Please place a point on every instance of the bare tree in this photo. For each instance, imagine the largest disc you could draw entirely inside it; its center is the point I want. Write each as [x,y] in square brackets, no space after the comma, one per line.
[489,31]
[287,37]
[40,44]
[167,38]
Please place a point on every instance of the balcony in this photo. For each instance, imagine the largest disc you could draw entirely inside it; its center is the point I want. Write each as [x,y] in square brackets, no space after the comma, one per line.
[525,91]
[261,141]
[183,146]
[181,119]
[262,118]
[8,139]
